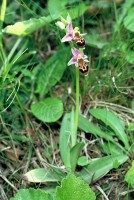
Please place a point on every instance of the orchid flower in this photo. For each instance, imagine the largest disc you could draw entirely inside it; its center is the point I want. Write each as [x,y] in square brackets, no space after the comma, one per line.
[76,56]
[74,35]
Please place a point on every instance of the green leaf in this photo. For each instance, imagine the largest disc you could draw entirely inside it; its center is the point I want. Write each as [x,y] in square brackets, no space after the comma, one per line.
[67,140]
[52,71]
[74,154]
[129,177]
[129,20]
[56,7]
[73,188]
[89,127]
[73,129]
[125,7]
[21,138]
[131,127]
[48,110]
[75,11]
[83,161]
[32,194]
[27,27]
[65,134]
[111,148]
[99,167]
[111,120]
[126,49]
[42,175]
[95,41]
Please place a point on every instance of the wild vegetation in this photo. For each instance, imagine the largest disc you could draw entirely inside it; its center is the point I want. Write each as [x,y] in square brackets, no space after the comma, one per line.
[66,132]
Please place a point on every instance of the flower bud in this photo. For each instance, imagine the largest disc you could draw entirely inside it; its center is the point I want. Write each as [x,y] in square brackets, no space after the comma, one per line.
[60,24]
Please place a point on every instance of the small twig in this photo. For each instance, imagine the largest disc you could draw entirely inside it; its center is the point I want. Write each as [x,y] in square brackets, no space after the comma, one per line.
[3,194]
[102,103]
[102,192]
[12,98]
[4,126]
[6,148]
[7,181]
[51,139]
[126,192]
[45,163]
[110,190]
[113,79]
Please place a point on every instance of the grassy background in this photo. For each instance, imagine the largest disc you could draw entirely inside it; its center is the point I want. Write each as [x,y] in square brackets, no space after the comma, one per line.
[110,84]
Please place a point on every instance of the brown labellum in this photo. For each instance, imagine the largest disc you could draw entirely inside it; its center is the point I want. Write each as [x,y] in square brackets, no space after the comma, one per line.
[83,67]
[81,43]
[79,40]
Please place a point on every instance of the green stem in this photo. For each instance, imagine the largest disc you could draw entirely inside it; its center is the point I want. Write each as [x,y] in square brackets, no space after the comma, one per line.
[117,19]
[77,101]
[2,17]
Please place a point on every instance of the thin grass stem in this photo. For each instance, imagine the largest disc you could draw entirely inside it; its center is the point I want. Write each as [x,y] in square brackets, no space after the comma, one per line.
[2,17]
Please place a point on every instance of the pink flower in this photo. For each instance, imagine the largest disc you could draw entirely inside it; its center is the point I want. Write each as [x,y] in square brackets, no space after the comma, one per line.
[74,35]
[70,34]
[76,56]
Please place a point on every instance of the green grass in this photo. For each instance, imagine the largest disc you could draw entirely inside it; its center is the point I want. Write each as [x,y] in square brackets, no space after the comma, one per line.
[24,140]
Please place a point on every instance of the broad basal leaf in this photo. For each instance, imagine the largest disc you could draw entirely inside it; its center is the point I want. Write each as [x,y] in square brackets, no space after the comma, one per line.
[89,127]
[42,175]
[65,135]
[111,120]
[99,167]
[52,71]
[74,154]
[48,110]
[110,148]
[73,188]
[32,194]
[73,130]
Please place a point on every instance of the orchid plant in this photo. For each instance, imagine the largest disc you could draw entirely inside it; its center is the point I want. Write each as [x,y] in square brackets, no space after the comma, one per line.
[79,59]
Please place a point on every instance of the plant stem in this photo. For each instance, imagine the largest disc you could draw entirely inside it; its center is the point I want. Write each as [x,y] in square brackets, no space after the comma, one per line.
[2,16]
[77,101]
[117,20]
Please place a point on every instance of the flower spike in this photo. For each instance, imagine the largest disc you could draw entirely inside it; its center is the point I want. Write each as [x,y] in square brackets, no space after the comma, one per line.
[79,59]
